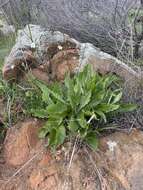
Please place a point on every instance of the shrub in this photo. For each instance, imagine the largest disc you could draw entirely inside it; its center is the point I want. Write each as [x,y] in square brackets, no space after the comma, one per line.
[72,107]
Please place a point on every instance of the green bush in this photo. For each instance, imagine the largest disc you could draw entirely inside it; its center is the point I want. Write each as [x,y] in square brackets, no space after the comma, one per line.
[72,107]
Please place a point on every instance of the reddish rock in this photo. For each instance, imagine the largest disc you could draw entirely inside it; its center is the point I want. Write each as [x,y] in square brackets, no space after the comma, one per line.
[19,142]
[54,48]
[124,160]
[17,62]
[64,62]
[47,157]
[40,75]
[44,178]
[104,63]
[115,165]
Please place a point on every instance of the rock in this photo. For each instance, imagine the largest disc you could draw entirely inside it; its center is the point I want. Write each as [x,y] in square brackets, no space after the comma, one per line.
[105,63]
[47,157]
[44,178]
[123,162]
[20,141]
[54,47]
[40,75]
[63,62]
[50,47]
[115,165]
[22,52]
[17,62]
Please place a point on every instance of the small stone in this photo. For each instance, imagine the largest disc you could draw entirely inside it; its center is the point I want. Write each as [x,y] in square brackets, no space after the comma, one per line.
[111,145]
[60,47]
[12,66]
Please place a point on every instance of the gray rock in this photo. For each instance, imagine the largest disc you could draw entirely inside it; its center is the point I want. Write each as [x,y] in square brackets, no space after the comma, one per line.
[34,36]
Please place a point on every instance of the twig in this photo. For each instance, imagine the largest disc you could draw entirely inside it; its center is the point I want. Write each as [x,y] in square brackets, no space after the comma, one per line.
[72,155]
[65,184]
[9,110]
[103,183]
[3,4]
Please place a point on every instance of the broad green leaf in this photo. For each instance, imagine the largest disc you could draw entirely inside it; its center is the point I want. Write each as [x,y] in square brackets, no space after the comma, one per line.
[78,86]
[85,99]
[73,125]
[57,88]
[127,107]
[82,121]
[91,84]
[47,128]
[72,100]
[52,138]
[107,107]
[117,98]
[92,140]
[80,79]
[57,136]
[97,98]
[85,75]
[54,121]
[109,79]
[101,114]
[58,108]
[43,132]
[45,91]
[57,96]
[100,86]
[60,135]
[69,83]
[82,133]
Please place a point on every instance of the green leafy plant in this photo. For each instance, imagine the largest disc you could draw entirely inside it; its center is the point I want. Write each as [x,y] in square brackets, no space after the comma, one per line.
[14,101]
[18,101]
[75,107]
